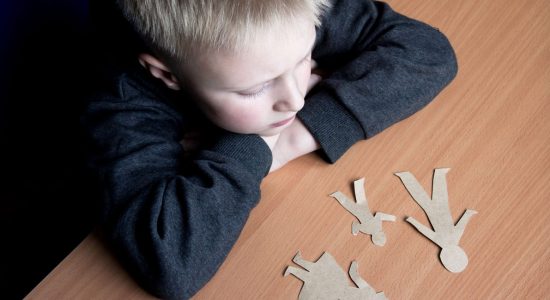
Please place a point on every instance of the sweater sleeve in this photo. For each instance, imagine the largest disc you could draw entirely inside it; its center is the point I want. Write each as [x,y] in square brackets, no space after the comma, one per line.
[171,224]
[384,67]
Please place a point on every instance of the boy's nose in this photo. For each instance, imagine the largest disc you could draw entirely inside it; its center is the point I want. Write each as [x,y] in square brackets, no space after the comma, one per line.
[290,97]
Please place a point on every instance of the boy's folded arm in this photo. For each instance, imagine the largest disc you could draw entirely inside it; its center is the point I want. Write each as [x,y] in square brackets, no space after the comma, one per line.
[172,231]
[384,67]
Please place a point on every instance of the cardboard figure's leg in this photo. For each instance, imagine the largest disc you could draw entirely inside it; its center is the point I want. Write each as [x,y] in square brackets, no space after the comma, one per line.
[378,238]
[461,224]
[415,189]
[359,187]
[349,205]
[356,278]
[299,273]
[385,217]
[355,227]
[302,262]
[423,229]
[439,185]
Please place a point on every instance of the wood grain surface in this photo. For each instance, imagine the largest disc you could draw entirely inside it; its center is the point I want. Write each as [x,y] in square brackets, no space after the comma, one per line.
[491,126]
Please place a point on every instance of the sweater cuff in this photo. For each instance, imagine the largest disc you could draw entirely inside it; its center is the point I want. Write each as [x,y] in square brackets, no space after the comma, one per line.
[331,124]
[248,149]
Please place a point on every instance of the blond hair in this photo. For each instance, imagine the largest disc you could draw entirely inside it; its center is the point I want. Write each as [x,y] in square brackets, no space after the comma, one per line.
[178,28]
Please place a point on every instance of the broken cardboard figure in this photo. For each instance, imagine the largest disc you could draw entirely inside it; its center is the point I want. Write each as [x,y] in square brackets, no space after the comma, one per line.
[324,279]
[445,233]
[368,223]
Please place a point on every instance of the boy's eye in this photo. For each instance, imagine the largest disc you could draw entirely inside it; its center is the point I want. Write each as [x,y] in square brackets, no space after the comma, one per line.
[255,93]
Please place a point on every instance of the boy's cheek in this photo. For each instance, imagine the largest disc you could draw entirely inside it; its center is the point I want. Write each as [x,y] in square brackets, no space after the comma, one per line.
[246,123]
[235,115]
[238,121]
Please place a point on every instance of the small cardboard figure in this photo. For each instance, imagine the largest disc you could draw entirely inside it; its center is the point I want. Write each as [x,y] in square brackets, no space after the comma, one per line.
[445,233]
[368,223]
[324,279]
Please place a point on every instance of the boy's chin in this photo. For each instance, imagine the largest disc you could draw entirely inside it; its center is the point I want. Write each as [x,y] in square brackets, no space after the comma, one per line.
[272,131]
[269,134]
[264,133]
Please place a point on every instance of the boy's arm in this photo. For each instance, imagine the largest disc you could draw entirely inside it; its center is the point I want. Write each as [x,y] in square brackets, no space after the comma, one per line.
[384,67]
[171,224]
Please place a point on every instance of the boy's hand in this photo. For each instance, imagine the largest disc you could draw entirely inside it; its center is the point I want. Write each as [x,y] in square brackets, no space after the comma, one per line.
[316,75]
[293,142]
[296,140]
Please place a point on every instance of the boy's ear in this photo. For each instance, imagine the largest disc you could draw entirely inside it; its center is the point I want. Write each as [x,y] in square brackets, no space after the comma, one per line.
[159,70]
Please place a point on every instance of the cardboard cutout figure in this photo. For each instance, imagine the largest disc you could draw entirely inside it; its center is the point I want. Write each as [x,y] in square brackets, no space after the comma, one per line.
[445,233]
[368,223]
[324,279]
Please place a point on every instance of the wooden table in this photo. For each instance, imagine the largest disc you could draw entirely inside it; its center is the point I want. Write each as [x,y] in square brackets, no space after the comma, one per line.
[491,126]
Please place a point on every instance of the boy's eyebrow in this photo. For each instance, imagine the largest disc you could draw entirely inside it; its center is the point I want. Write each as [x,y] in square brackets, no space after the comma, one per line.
[264,81]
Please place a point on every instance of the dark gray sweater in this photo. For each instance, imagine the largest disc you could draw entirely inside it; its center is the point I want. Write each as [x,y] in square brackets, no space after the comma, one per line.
[172,220]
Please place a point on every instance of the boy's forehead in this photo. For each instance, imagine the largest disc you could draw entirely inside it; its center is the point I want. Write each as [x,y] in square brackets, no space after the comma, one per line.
[264,58]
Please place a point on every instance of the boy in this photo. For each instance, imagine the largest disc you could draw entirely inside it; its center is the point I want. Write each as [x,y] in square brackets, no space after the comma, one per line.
[240,71]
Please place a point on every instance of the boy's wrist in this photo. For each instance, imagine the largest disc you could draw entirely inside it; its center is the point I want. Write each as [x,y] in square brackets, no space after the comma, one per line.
[271,140]
[299,140]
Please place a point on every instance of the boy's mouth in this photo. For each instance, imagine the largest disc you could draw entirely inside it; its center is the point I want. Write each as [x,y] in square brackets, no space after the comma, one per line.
[283,122]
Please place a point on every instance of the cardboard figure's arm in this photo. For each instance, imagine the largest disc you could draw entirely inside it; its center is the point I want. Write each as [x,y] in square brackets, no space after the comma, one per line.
[385,217]
[302,262]
[461,224]
[423,229]
[298,273]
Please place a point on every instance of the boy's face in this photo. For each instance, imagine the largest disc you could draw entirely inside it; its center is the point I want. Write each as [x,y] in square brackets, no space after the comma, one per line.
[260,90]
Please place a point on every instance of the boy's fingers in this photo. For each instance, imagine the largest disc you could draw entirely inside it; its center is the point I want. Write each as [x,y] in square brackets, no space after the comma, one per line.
[313,64]
[313,80]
